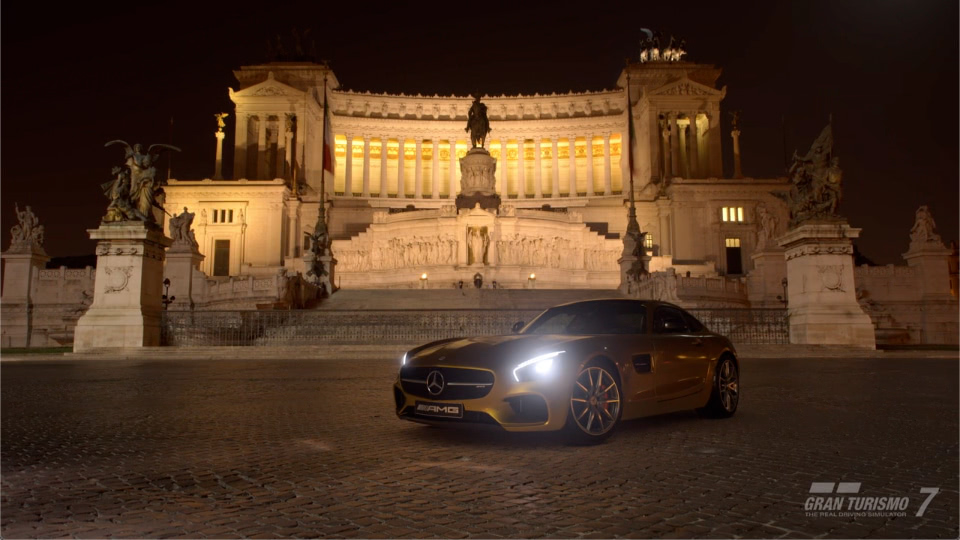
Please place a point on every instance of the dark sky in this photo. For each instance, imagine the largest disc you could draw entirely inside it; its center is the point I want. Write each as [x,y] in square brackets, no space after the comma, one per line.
[73,79]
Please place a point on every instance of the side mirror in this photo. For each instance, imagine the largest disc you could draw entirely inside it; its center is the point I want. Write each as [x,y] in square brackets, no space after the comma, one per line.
[517,326]
[671,326]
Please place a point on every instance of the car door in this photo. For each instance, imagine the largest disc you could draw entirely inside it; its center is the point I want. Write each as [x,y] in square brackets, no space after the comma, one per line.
[681,357]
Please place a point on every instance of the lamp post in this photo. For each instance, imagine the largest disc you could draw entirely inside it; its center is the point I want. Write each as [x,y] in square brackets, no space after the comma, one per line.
[783,283]
[166,299]
[532,281]
[423,280]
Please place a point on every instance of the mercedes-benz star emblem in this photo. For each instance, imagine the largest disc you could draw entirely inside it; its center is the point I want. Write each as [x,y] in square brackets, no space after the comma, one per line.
[434,383]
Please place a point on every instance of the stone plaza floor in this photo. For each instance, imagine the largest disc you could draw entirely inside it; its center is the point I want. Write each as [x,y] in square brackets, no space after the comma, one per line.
[275,448]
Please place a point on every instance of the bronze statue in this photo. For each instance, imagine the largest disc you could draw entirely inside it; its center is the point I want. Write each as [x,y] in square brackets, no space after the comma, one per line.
[477,123]
[134,190]
[815,182]
[220,123]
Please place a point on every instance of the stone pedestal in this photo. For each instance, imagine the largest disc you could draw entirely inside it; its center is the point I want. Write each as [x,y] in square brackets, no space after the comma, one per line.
[938,308]
[823,307]
[21,269]
[478,181]
[765,281]
[129,284]
[183,271]
[324,282]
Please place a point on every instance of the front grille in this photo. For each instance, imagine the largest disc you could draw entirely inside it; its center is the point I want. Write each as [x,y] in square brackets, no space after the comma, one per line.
[458,384]
[469,417]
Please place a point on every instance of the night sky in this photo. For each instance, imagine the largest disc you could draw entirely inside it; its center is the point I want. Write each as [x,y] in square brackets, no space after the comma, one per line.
[73,79]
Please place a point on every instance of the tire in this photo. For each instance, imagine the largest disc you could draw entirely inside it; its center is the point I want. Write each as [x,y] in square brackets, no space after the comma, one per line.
[725,393]
[595,404]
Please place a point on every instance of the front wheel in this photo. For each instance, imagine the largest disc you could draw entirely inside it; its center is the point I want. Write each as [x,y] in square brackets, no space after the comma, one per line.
[725,395]
[594,405]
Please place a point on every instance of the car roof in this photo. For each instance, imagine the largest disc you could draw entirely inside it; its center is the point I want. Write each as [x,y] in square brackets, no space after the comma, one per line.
[652,303]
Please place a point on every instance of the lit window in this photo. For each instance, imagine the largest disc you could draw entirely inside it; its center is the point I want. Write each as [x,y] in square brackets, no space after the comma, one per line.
[732,213]
[733,242]
[648,241]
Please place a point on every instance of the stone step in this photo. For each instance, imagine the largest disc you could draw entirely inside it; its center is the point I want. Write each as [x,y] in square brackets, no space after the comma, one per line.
[466,298]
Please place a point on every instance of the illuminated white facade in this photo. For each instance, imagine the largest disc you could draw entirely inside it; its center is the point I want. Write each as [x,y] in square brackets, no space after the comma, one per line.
[560,160]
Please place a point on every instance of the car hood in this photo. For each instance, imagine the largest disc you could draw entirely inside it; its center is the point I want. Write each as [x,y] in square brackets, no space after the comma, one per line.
[491,352]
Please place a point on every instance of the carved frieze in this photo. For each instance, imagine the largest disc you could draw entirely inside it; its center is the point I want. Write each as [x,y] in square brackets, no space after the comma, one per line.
[118,278]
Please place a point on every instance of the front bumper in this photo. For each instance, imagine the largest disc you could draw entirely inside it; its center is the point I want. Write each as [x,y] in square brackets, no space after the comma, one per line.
[539,405]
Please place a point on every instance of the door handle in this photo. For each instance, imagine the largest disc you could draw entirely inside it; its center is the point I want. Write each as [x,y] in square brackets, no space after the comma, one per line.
[698,342]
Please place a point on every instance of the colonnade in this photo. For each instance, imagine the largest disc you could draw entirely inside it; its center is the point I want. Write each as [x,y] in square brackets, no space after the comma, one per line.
[264,145]
[535,172]
[686,144]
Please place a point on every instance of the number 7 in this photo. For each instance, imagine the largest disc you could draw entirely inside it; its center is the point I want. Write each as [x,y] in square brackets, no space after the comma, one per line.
[932,493]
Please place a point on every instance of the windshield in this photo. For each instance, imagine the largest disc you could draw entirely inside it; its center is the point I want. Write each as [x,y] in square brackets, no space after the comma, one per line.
[586,318]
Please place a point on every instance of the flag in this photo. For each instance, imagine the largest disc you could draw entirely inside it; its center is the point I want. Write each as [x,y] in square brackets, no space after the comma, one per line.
[328,142]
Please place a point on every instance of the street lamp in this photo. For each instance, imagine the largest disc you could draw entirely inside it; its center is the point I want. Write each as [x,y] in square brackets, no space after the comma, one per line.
[532,280]
[166,299]
[783,283]
[423,280]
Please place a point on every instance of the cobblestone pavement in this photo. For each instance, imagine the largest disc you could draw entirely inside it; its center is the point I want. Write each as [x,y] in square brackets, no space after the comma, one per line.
[272,448]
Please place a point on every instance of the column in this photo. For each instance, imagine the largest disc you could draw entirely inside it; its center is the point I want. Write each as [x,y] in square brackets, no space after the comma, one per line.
[537,170]
[521,180]
[401,189]
[502,168]
[288,150]
[218,168]
[693,148]
[556,169]
[607,180]
[348,168]
[418,173]
[383,165]
[240,146]
[366,165]
[572,177]
[684,151]
[453,168]
[665,150]
[737,171]
[262,160]
[713,145]
[589,152]
[435,173]
[674,145]
[281,145]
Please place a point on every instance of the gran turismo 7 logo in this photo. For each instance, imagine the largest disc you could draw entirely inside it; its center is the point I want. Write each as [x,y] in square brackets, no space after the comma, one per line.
[843,499]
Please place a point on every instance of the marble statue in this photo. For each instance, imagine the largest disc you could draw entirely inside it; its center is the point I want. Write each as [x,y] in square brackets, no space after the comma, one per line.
[924,228]
[477,241]
[28,232]
[815,182]
[766,226]
[181,229]
[477,123]
[134,190]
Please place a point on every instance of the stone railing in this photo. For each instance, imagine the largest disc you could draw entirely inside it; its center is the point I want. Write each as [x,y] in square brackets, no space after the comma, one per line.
[700,292]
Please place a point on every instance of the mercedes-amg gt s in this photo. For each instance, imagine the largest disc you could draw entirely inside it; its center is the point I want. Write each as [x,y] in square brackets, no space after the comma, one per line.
[580,367]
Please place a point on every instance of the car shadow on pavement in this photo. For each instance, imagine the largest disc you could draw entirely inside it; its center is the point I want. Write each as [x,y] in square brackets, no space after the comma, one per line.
[493,436]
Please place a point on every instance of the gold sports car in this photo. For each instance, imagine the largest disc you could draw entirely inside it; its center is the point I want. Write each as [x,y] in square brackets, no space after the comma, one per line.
[580,367]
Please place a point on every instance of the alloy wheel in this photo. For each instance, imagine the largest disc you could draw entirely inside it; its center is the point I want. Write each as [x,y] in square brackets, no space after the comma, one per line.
[595,403]
[728,383]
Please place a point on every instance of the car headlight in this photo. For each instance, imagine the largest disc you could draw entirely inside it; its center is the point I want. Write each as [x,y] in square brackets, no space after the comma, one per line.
[536,368]
[403,361]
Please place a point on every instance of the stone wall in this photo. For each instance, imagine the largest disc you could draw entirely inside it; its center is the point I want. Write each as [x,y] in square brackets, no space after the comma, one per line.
[891,295]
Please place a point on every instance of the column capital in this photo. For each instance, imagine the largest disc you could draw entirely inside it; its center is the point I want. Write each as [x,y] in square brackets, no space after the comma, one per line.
[418,139]
[366,138]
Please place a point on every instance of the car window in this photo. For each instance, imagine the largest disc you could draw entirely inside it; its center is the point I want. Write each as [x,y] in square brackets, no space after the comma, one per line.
[667,320]
[551,322]
[692,322]
[591,318]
